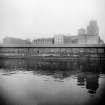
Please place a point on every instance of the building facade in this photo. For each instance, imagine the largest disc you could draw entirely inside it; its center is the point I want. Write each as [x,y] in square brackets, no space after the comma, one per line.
[82,38]
[91,36]
[59,39]
[92,28]
[11,40]
[43,41]
[92,33]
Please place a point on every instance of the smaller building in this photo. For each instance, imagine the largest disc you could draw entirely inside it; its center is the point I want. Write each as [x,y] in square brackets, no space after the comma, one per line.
[43,41]
[101,41]
[11,40]
[92,39]
[67,40]
[59,39]
[82,38]
[81,31]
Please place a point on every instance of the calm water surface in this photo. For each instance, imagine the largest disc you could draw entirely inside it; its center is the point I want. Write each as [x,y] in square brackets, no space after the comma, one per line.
[31,82]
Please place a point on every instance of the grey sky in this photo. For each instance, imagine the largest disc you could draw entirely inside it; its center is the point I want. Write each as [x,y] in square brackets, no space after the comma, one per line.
[45,18]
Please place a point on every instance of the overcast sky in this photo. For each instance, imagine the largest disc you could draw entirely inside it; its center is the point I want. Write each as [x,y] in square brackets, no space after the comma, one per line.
[45,18]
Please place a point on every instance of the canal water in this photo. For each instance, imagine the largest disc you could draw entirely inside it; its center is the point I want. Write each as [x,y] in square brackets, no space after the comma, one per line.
[51,82]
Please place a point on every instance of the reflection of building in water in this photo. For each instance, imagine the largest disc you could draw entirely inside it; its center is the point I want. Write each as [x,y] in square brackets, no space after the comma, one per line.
[81,79]
[89,80]
[92,83]
[13,64]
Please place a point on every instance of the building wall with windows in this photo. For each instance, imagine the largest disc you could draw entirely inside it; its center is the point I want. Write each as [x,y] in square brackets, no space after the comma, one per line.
[91,36]
[82,36]
[43,41]
[92,33]
[92,39]
[59,39]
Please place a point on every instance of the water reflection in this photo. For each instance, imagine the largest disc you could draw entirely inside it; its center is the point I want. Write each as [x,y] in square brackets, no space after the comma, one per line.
[31,82]
[81,79]
[90,80]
